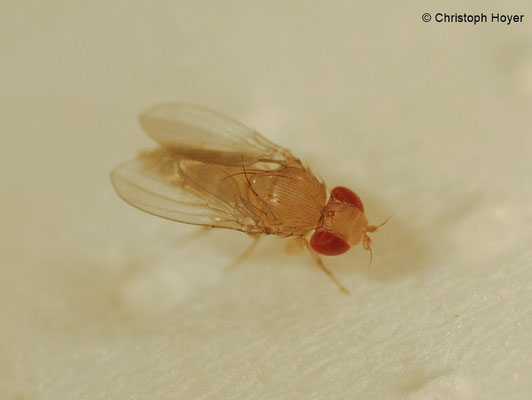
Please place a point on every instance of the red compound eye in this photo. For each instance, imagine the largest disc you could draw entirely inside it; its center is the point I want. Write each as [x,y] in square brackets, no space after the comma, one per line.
[344,194]
[328,244]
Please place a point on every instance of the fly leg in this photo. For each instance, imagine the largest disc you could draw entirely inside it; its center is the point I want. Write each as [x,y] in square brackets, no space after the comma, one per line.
[295,246]
[319,262]
[245,254]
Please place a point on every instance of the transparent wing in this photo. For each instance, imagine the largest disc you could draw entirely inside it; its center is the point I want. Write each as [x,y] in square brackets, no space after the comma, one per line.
[184,190]
[204,135]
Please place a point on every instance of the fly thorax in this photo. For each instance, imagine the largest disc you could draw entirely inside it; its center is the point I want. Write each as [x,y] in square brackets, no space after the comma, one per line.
[290,199]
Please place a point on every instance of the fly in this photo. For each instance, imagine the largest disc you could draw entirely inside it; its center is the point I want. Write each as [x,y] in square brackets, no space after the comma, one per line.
[213,171]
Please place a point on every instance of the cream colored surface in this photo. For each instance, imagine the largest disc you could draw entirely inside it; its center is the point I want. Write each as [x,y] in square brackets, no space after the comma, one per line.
[428,121]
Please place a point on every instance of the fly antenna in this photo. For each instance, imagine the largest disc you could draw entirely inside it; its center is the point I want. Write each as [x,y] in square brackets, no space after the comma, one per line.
[366,243]
[373,228]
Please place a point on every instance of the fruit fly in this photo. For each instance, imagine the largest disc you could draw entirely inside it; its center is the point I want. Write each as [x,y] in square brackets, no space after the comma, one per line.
[213,171]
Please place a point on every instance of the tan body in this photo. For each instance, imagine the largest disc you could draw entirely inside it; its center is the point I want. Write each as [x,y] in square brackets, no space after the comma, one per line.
[290,200]
[211,170]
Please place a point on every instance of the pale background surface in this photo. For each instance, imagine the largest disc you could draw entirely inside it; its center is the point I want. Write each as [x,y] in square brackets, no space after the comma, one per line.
[430,122]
